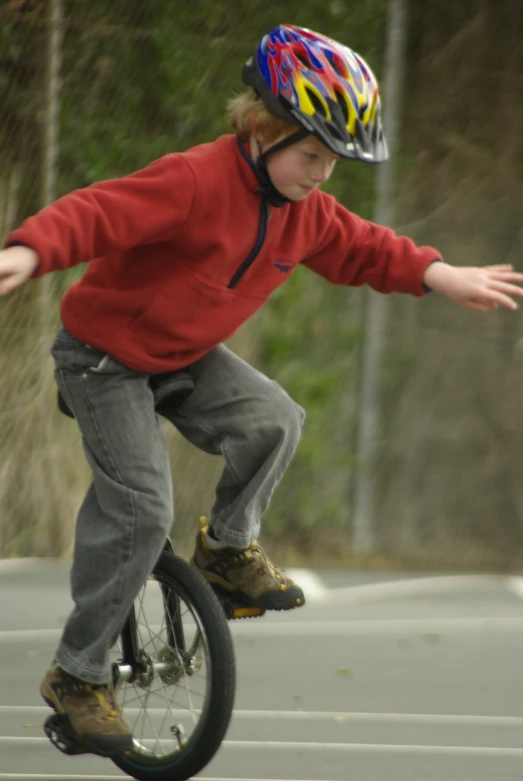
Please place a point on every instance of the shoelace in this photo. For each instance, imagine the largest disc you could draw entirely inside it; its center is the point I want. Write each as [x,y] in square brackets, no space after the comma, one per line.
[108,708]
[71,686]
[278,577]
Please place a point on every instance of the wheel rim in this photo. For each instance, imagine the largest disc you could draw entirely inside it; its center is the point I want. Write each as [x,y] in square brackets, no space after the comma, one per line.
[164,706]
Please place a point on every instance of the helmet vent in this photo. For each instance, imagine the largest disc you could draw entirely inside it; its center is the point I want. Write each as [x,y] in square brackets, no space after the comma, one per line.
[319,108]
[336,133]
[302,58]
[342,103]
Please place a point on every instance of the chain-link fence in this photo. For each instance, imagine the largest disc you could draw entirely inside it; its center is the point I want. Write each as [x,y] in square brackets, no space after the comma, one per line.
[450,478]
[92,90]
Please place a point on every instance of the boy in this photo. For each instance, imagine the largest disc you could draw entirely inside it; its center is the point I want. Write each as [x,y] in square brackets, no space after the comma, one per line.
[182,253]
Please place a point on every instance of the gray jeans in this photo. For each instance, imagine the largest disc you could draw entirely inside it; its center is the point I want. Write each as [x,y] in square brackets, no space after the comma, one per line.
[233,410]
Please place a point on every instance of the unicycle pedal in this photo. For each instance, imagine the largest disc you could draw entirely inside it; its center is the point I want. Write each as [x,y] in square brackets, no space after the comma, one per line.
[59,731]
[235,608]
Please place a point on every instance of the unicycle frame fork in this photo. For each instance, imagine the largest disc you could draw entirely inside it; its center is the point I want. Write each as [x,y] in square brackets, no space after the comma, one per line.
[134,662]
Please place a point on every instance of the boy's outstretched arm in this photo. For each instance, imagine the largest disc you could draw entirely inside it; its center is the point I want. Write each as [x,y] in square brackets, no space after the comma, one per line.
[354,251]
[148,206]
[478,288]
[17,264]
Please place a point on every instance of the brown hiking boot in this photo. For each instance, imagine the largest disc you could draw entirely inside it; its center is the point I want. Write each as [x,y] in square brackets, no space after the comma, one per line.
[245,575]
[92,712]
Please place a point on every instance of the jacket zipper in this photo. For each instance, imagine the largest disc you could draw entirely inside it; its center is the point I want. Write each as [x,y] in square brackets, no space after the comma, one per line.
[255,251]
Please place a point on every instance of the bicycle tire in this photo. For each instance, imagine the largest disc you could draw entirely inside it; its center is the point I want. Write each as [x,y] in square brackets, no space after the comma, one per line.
[174,573]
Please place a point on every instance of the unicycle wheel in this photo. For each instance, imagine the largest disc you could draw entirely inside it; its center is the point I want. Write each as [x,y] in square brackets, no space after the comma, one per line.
[178,700]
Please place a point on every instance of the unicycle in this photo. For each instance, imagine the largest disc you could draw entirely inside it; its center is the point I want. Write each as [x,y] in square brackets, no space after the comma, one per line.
[174,677]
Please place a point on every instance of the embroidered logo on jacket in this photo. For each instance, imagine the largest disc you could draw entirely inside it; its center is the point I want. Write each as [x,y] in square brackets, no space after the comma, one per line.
[283,265]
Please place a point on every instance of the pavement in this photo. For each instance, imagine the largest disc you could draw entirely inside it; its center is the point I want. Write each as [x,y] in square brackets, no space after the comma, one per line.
[380,676]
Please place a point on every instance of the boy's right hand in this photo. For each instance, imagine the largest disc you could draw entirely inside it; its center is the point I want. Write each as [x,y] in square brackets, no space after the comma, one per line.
[16,265]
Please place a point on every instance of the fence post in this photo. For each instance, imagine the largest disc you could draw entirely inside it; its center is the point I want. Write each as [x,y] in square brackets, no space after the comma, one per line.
[364,532]
[51,127]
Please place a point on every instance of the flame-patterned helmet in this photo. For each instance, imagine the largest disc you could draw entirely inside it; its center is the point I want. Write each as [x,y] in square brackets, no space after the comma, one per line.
[306,78]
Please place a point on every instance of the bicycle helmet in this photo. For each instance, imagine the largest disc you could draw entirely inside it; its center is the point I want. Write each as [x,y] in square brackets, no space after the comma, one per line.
[326,88]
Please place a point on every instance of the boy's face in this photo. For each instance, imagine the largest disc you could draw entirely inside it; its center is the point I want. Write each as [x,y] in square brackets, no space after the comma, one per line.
[299,169]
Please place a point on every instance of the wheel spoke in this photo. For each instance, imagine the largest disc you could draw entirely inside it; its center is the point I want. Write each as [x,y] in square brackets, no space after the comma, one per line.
[185,689]
[168,685]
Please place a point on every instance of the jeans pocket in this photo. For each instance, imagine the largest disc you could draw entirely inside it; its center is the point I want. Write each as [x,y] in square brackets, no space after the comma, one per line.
[72,356]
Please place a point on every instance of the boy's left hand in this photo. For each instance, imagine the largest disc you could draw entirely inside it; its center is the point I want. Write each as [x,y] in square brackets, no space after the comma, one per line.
[478,288]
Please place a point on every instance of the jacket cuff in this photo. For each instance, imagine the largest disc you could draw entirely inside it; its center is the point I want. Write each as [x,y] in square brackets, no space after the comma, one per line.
[426,289]
[36,273]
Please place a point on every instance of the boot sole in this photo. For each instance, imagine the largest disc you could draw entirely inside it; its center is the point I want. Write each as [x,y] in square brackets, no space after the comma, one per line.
[102,745]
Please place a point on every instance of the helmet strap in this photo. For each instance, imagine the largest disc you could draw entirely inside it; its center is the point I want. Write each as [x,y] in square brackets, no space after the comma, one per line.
[299,135]
[267,189]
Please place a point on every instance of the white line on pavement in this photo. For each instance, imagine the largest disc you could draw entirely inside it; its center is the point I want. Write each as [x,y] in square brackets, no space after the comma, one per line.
[311,583]
[515,585]
[375,748]
[408,587]
[27,565]
[69,777]
[397,748]
[315,589]
[335,716]
[289,627]
[378,626]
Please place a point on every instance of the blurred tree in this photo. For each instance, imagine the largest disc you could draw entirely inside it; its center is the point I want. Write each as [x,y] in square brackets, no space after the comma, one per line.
[450,487]
[138,81]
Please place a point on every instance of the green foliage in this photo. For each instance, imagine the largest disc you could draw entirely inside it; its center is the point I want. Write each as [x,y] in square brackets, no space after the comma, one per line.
[139,80]
[149,81]
[20,90]
[308,340]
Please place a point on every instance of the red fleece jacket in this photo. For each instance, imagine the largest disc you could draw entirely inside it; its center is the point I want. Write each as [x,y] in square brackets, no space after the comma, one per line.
[184,251]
